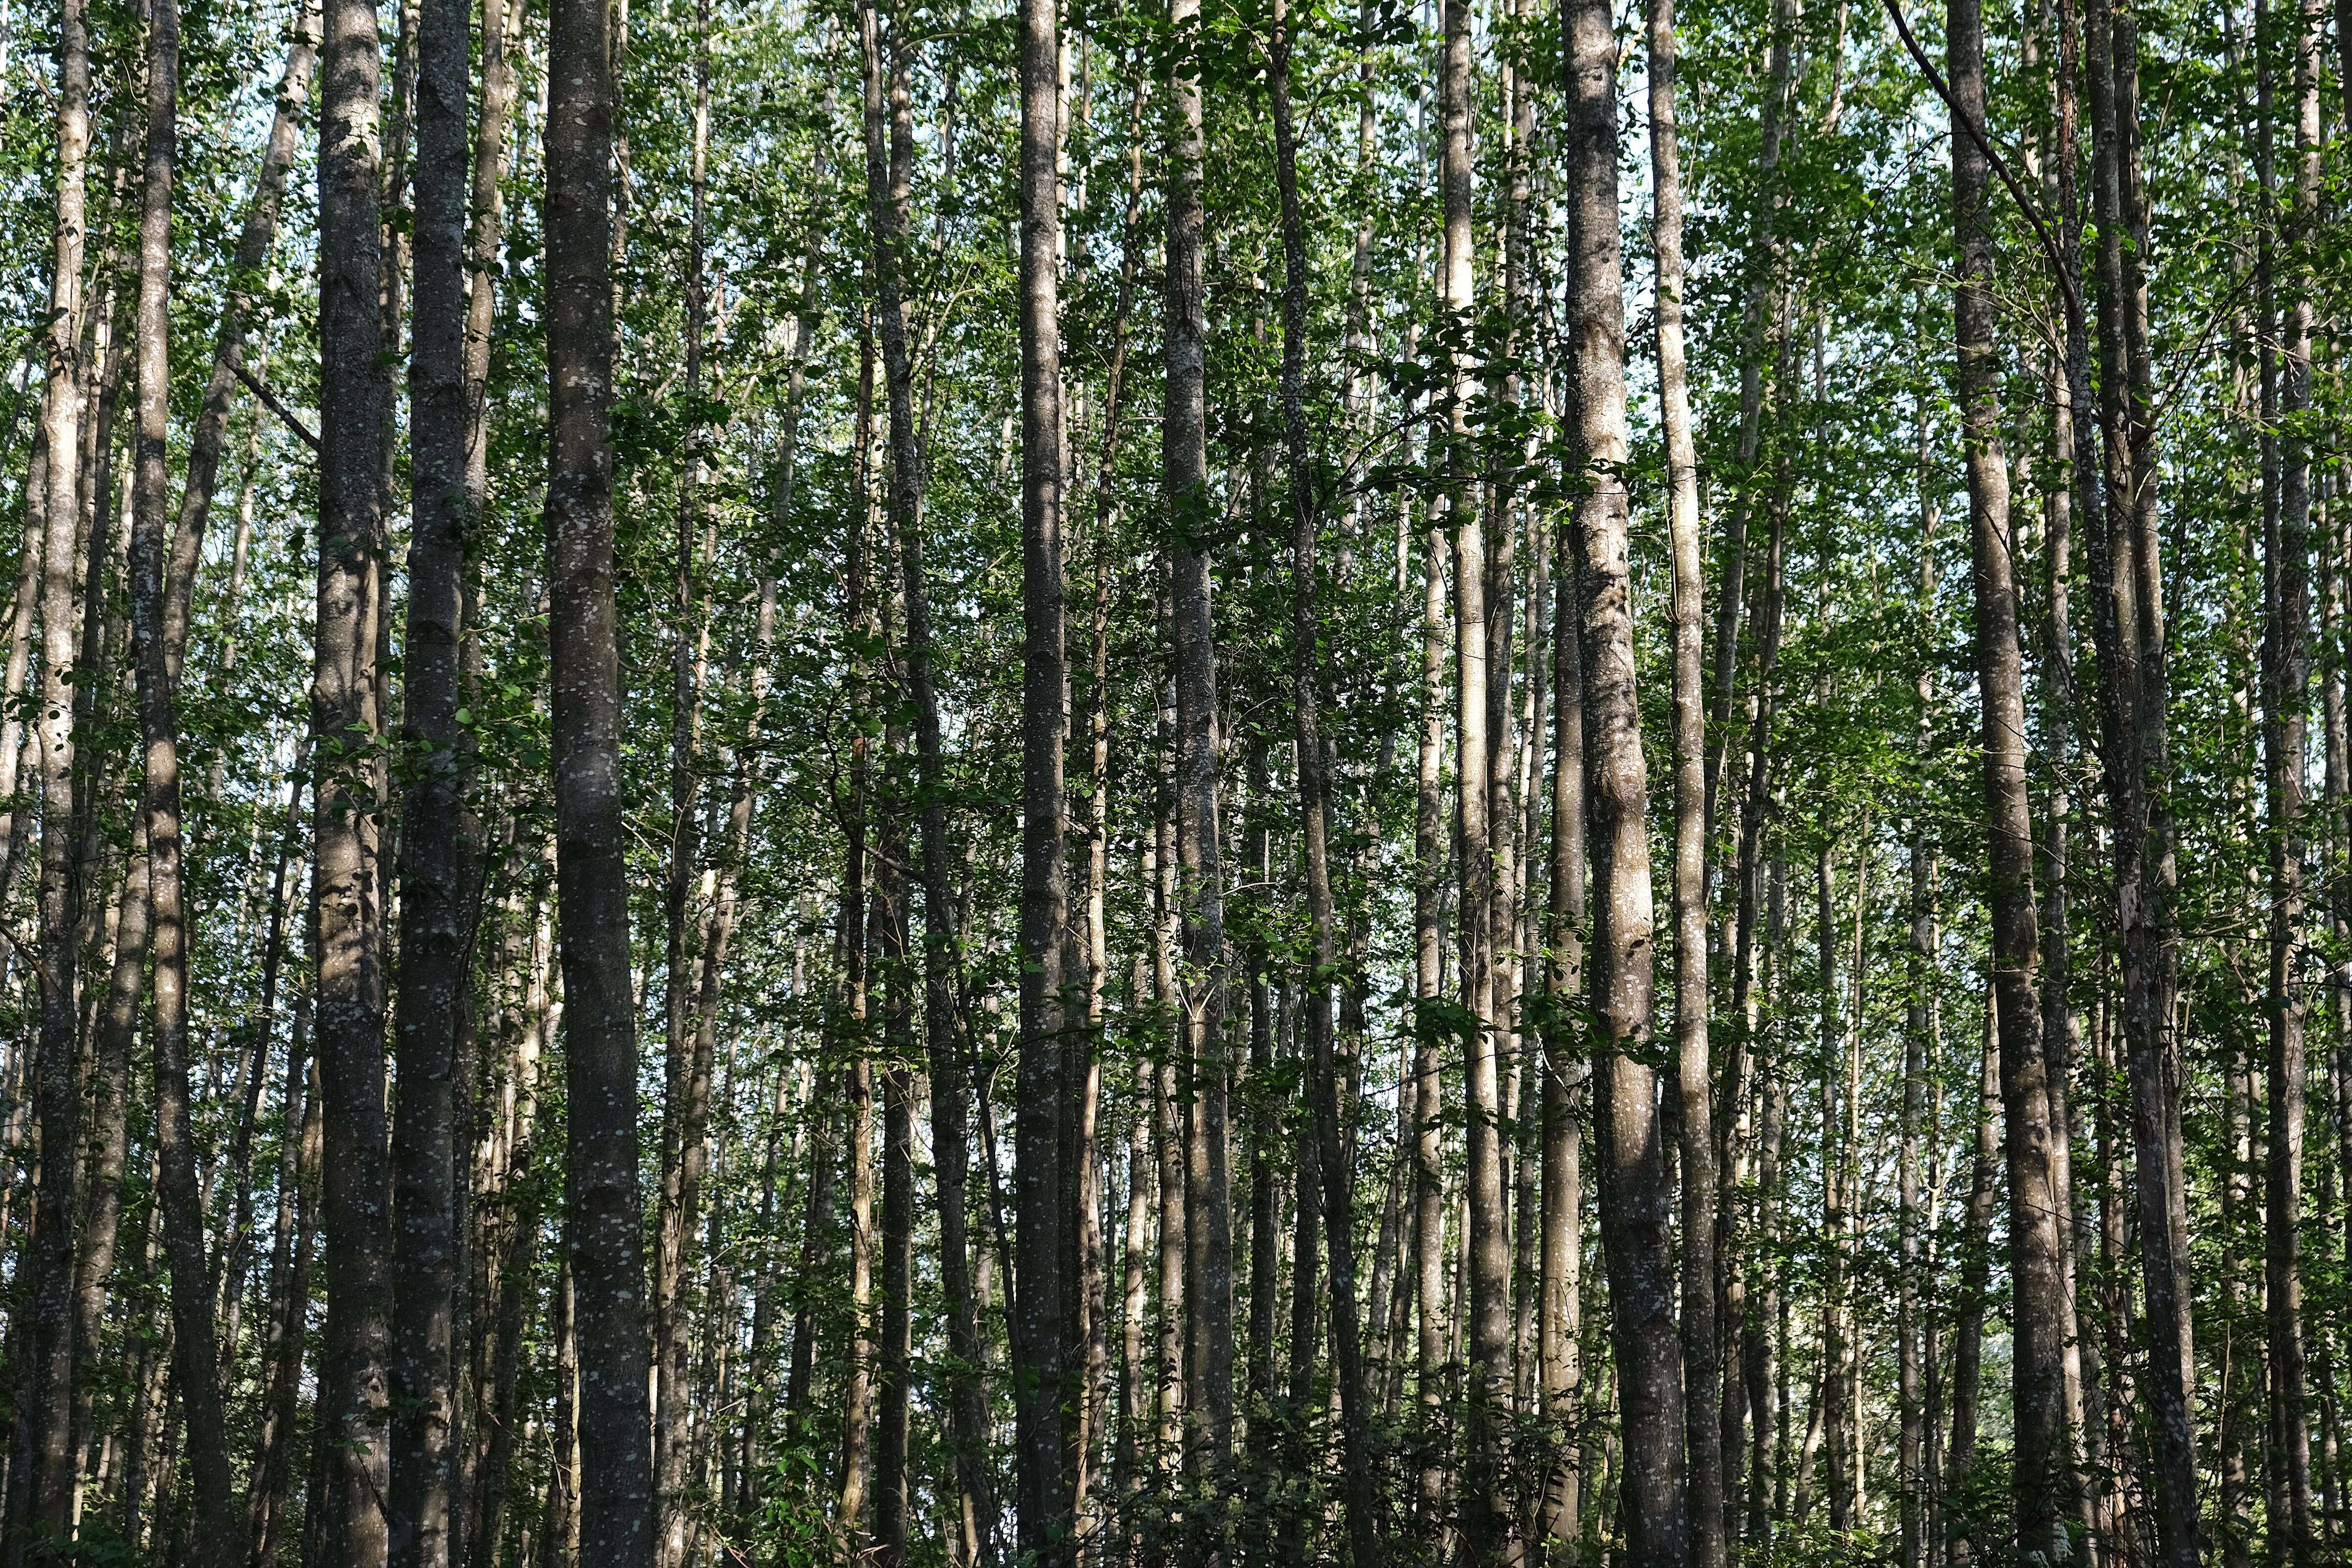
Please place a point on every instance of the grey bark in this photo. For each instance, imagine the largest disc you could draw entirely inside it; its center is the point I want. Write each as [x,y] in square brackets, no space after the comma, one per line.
[1635,1193]
[41,1468]
[1041,1296]
[2044,1460]
[1702,1365]
[436,844]
[346,717]
[603,1242]
[1333,1154]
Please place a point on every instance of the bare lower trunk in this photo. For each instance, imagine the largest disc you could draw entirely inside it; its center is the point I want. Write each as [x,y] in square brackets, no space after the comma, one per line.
[604,1240]
[1208,1225]
[1430,841]
[41,1468]
[1975,1282]
[2127,580]
[686,1098]
[1565,925]
[1701,1368]
[1323,1069]
[2287,646]
[347,889]
[1042,1303]
[196,1368]
[435,849]
[1635,1192]
[2038,1269]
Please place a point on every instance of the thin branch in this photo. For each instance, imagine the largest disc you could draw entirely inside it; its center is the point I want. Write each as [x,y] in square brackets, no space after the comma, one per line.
[271,402]
[1993,155]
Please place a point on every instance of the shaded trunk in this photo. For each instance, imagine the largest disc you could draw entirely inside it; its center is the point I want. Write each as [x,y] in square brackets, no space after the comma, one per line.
[1567,918]
[895,1349]
[1323,1087]
[1635,1192]
[2044,1460]
[41,1471]
[1975,1283]
[2134,701]
[213,1543]
[1041,1296]
[604,1236]
[686,1098]
[2287,658]
[1702,1367]
[289,1295]
[437,852]
[346,881]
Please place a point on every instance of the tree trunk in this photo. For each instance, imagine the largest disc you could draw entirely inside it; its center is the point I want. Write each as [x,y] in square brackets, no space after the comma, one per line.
[1430,855]
[2128,581]
[1919,1050]
[42,1469]
[604,1238]
[1483,1504]
[1208,1226]
[895,1351]
[1701,1368]
[2038,1269]
[437,852]
[850,1012]
[1636,1206]
[102,1205]
[215,1543]
[1041,1301]
[1975,1283]
[346,887]
[508,1266]
[2286,647]
[1323,1093]
[1567,923]
[298,1172]
[686,1098]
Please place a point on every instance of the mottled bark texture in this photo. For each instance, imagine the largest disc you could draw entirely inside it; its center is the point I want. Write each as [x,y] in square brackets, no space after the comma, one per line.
[603,1223]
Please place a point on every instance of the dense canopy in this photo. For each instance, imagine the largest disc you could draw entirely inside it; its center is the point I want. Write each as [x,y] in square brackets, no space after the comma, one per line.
[1231,782]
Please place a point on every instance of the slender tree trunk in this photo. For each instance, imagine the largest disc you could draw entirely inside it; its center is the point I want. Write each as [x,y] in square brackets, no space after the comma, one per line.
[2038,1271]
[435,851]
[1839,1417]
[1916,1501]
[1702,1369]
[1337,1171]
[1483,1504]
[1975,1282]
[561,1514]
[894,1350]
[2287,646]
[2127,580]
[850,1012]
[1635,1192]
[1041,1304]
[1566,921]
[101,1208]
[215,1543]
[509,1264]
[685,1101]
[299,1173]
[603,1242]
[346,887]
[1208,1228]
[42,1469]
[254,242]
[1764,325]
[1430,847]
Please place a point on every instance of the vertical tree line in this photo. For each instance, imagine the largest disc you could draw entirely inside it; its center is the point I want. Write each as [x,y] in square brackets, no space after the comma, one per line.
[1470,936]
